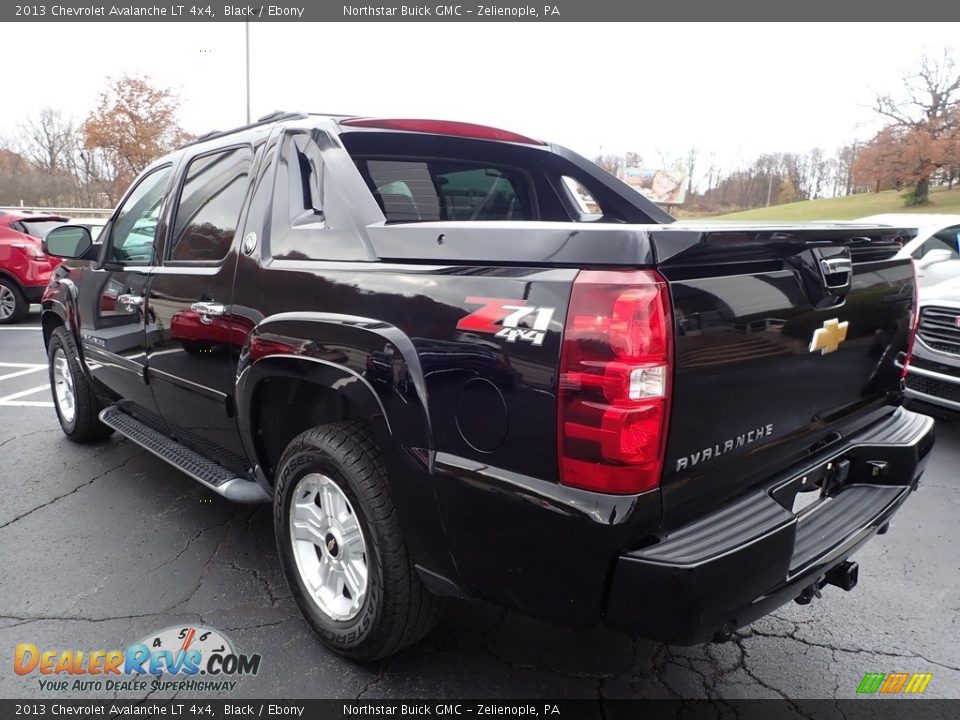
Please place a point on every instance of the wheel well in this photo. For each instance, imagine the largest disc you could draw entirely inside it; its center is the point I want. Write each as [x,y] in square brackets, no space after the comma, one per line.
[285,407]
[50,321]
[12,279]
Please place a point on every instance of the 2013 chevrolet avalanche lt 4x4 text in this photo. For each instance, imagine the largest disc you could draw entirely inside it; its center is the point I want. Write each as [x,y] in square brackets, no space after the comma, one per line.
[459,361]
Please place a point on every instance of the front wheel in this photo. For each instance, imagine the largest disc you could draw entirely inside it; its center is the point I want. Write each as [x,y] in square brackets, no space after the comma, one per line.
[340,545]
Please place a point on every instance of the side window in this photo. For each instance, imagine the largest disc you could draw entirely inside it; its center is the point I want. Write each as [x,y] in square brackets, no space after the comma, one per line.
[209,207]
[948,239]
[135,225]
[581,199]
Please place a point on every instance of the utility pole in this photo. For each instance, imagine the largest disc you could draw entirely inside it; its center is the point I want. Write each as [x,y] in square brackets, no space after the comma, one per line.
[769,187]
[247,32]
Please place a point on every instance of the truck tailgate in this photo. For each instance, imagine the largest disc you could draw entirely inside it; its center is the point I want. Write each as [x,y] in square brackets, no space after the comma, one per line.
[786,340]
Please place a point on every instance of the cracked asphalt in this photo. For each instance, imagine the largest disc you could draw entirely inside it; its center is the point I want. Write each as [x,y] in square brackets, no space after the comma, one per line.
[102,544]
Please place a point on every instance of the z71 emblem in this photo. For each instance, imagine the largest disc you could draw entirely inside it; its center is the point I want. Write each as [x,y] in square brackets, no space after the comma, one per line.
[511,320]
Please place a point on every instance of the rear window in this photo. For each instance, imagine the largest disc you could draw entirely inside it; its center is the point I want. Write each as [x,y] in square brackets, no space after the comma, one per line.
[425,190]
[39,228]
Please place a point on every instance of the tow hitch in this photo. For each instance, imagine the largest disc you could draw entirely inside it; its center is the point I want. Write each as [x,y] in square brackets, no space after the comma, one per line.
[843,576]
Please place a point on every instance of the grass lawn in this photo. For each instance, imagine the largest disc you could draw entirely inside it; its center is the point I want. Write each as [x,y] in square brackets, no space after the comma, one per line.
[852,206]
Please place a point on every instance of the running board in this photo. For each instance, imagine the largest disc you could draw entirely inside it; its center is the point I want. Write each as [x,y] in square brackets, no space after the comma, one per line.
[204,471]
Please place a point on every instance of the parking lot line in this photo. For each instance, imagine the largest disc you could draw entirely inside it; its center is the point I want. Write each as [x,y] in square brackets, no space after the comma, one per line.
[13,400]
[26,327]
[18,373]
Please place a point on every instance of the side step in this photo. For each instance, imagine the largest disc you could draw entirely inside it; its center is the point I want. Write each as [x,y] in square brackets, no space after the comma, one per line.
[206,472]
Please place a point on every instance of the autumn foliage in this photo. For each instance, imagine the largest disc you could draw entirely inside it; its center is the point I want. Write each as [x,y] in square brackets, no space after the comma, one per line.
[922,137]
[134,124]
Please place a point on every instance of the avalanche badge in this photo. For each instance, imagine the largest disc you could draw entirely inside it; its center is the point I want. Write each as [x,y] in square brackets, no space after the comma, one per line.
[827,339]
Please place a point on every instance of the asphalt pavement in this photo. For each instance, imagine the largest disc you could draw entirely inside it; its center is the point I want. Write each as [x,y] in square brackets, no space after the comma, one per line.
[101,545]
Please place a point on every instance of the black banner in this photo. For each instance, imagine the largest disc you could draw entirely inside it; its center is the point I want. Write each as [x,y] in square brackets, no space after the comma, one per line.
[497,11]
[191,709]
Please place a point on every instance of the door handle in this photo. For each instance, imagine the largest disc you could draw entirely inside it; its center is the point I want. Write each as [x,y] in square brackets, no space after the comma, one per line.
[130,301]
[209,309]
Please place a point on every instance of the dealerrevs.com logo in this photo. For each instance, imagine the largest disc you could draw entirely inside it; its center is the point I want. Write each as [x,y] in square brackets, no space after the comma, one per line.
[183,654]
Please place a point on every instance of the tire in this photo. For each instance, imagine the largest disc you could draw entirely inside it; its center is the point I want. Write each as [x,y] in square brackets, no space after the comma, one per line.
[396,609]
[80,422]
[13,303]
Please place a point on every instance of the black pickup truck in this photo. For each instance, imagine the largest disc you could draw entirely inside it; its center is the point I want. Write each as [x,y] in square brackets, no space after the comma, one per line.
[463,362]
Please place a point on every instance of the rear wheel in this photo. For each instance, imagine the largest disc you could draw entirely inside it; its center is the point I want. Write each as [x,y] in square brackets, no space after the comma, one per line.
[340,545]
[13,304]
[76,404]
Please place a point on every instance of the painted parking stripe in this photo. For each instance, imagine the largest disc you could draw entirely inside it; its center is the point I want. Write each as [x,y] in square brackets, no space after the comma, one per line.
[13,400]
[22,328]
[18,373]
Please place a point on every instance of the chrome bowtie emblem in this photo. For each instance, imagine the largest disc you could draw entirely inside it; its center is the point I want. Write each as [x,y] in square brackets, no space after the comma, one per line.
[827,338]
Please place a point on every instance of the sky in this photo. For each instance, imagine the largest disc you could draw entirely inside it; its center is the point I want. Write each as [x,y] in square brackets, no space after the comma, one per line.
[733,90]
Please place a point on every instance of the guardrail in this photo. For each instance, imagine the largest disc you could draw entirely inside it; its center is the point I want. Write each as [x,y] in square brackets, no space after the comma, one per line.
[69,212]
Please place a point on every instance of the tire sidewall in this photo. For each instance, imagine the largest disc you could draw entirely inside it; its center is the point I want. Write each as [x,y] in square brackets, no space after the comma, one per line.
[22,307]
[57,343]
[345,634]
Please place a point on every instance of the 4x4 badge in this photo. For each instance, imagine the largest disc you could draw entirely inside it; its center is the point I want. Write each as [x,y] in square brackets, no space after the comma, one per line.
[503,318]
[827,339]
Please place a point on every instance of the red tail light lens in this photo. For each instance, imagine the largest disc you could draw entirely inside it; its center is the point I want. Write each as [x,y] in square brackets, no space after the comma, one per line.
[914,323]
[31,250]
[615,382]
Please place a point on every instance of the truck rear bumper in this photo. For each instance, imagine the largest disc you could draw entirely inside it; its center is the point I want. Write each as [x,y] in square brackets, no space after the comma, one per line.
[750,557]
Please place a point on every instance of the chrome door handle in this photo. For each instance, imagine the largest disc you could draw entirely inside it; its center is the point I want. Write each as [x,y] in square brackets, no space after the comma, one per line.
[130,301]
[210,309]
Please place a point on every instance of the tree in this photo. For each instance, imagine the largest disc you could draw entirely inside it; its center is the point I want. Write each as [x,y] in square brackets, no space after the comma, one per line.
[134,123]
[846,156]
[49,142]
[788,192]
[690,166]
[926,122]
[879,164]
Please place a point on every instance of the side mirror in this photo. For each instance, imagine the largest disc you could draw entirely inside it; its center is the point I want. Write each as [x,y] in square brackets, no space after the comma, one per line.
[68,241]
[932,257]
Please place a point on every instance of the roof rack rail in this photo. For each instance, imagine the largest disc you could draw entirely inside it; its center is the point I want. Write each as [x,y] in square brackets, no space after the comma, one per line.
[201,138]
[272,117]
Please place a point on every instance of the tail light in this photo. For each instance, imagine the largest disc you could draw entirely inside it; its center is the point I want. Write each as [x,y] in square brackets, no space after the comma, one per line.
[914,323]
[31,250]
[615,376]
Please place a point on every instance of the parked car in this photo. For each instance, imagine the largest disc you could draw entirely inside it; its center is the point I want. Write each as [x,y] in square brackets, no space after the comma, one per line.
[934,369]
[24,268]
[935,244]
[452,381]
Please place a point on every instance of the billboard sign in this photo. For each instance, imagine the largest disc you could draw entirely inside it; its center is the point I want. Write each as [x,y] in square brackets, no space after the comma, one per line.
[664,187]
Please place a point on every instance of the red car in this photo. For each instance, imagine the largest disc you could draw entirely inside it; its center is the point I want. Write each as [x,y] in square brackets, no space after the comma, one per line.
[24,268]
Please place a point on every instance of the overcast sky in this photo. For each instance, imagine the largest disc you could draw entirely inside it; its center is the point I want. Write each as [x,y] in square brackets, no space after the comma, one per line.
[733,89]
